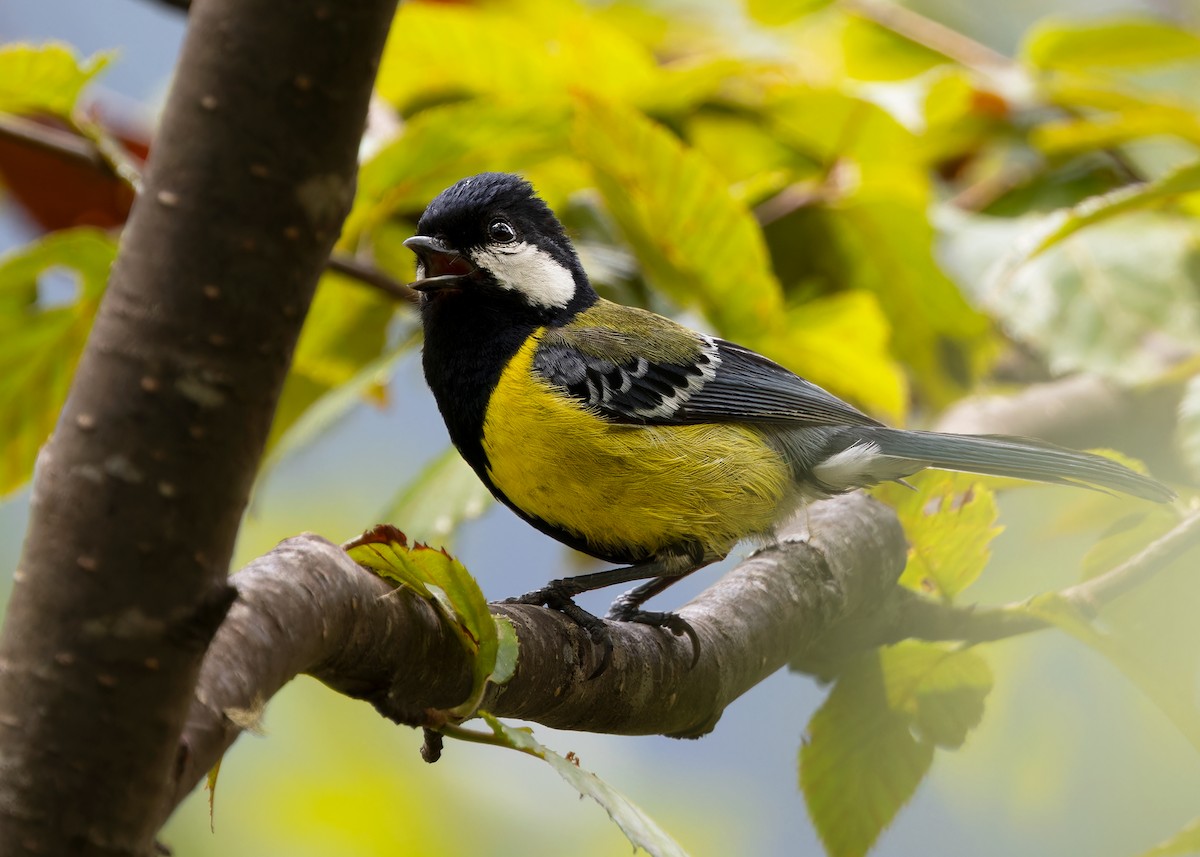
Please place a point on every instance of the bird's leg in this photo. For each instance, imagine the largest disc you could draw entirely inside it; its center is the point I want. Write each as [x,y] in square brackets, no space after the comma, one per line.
[664,569]
[628,606]
[556,592]
[559,594]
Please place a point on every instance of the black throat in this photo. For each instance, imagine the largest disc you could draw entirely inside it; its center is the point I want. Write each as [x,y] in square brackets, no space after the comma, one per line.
[469,338]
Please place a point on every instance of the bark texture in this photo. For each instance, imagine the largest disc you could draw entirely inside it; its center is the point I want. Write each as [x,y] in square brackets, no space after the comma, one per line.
[137,497]
[306,608]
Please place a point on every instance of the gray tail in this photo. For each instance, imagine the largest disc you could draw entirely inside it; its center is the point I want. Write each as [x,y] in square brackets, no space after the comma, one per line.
[1019,457]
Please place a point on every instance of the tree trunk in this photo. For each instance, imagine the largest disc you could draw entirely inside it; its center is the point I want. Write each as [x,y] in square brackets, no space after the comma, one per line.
[138,496]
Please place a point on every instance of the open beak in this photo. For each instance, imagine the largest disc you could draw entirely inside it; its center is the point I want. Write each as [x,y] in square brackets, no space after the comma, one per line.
[443,266]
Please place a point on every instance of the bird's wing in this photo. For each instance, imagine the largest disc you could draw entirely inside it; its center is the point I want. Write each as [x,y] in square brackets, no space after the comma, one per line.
[641,368]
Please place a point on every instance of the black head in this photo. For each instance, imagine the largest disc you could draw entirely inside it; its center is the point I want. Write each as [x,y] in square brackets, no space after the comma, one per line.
[490,233]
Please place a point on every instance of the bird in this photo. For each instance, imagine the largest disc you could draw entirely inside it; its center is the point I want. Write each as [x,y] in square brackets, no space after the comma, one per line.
[633,438]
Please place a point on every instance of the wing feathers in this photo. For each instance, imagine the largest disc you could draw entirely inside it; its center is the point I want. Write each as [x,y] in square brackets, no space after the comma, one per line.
[704,380]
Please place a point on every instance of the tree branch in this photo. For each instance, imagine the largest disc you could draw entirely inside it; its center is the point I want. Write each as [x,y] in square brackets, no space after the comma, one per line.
[306,607]
[369,275]
[138,495]
[911,615]
[930,34]
[1094,593]
[825,590]
[65,144]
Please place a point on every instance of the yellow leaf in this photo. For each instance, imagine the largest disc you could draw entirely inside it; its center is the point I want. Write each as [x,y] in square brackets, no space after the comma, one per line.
[535,50]
[41,339]
[1113,43]
[841,343]
[44,78]
[695,241]
[950,521]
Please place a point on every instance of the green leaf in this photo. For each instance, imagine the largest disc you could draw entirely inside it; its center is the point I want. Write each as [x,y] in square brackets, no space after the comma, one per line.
[694,240]
[1126,537]
[1064,223]
[841,342]
[40,344]
[638,827]
[749,158]
[441,145]
[873,52]
[442,496]
[44,78]
[856,775]
[535,50]
[441,579]
[703,248]
[1186,841]
[1091,299]
[950,521]
[1114,43]
[940,687]
[776,12]
[873,740]
[1104,113]
[887,247]
[506,652]
[1173,697]
[828,125]
[1074,136]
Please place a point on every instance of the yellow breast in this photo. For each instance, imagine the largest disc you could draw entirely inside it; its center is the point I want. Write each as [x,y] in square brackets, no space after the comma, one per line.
[627,488]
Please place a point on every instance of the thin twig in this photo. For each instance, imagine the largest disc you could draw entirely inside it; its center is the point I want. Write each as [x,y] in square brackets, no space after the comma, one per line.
[65,144]
[830,186]
[791,199]
[72,146]
[371,276]
[1136,570]
[930,34]
[916,615]
[112,152]
[477,736]
[981,194]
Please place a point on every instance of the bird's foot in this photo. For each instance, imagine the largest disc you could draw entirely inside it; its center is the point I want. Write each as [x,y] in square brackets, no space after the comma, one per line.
[623,610]
[558,597]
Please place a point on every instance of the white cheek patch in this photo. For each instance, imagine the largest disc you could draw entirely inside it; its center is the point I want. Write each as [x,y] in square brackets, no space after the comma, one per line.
[526,269]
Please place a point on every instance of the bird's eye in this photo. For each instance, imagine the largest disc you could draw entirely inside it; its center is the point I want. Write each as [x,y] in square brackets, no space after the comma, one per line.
[501,231]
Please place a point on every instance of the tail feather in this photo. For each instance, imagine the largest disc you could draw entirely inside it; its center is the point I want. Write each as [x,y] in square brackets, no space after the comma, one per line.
[1000,455]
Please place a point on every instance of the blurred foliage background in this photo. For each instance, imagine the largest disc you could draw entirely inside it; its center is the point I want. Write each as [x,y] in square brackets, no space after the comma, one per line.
[906,204]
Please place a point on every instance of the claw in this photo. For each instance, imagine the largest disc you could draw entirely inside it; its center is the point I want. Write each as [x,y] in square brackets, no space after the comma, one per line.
[673,622]
[555,598]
